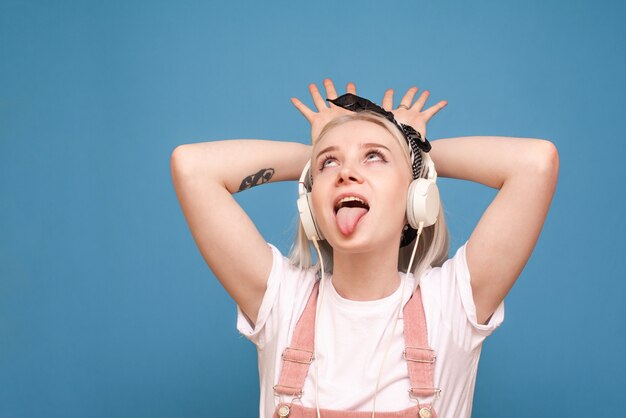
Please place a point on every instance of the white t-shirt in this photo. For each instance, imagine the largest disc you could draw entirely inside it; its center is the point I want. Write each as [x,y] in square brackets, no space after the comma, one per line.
[353,336]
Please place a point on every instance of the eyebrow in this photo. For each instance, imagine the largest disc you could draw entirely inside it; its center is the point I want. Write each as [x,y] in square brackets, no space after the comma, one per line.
[366,145]
[374,145]
[325,150]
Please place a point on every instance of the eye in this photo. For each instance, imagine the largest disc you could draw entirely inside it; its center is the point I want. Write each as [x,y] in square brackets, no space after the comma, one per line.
[375,155]
[327,161]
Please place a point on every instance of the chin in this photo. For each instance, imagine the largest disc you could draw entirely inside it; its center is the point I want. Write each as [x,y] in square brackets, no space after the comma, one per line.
[360,243]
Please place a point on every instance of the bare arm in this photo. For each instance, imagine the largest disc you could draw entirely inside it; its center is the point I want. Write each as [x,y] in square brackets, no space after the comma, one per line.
[205,175]
[524,170]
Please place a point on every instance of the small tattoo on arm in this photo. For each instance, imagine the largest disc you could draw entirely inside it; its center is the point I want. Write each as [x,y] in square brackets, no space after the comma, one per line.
[263,176]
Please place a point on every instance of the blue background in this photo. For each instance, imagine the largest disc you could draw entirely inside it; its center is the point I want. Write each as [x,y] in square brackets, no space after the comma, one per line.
[107,308]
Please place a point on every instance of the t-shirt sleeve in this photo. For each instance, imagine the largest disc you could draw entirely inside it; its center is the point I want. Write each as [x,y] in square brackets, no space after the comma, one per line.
[285,285]
[458,309]
[244,326]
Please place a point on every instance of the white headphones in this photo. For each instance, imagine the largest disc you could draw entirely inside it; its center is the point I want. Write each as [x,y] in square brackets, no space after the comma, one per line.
[305,206]
[422,200]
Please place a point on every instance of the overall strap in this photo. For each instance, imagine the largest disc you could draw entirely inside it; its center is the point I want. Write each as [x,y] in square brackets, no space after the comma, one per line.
[419,356]
[298,356]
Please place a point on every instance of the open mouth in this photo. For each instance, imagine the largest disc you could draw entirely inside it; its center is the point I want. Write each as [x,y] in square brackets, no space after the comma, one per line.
[348,212]
[351,202]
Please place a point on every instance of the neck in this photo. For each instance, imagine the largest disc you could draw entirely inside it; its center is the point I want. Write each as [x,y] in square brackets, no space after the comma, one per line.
[366,276]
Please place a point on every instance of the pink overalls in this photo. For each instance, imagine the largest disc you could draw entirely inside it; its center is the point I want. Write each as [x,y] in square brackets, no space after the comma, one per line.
[299,355]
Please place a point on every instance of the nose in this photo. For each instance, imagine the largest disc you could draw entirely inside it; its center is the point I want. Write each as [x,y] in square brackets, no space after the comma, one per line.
[348,175]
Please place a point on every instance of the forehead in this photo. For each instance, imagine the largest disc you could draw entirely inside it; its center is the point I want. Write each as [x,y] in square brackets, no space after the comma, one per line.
[355,133]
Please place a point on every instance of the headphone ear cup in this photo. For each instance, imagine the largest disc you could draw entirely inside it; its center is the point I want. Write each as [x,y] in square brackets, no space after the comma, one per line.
[422,203]
[307,219]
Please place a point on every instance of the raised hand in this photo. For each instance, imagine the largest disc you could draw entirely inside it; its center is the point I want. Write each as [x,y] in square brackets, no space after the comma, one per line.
[325,111]
[411,113]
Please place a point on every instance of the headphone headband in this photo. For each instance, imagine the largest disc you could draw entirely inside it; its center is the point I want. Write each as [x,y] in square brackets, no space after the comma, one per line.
[431,172]
[305,208]
[303,185]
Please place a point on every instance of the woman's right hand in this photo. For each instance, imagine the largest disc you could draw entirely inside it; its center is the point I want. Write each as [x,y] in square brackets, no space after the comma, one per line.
[325,111]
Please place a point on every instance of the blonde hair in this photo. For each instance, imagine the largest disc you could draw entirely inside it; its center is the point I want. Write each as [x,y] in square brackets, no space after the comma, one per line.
[434,242]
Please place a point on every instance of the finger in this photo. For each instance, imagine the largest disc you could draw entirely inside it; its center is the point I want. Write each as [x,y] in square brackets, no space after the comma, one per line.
[319,101]
[388,100]
[351,88]
[432,111]
[306,112]
[419,104]
[407,100]
[331,93]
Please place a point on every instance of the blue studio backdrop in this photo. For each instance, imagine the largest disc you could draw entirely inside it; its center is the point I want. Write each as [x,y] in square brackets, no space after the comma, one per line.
[107,309]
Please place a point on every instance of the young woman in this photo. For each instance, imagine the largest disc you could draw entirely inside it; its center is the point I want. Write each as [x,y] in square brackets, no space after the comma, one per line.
[386,325]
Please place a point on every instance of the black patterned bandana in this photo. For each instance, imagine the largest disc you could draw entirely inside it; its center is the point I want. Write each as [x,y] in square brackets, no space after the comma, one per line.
[355,103]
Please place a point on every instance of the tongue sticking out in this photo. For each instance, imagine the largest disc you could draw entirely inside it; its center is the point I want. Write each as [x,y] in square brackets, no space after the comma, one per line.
[348,217]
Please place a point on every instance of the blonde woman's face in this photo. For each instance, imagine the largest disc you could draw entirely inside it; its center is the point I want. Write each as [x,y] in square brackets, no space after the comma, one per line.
[360,182]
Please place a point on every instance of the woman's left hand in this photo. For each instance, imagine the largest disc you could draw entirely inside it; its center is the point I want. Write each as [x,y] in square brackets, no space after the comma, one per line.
[411,113]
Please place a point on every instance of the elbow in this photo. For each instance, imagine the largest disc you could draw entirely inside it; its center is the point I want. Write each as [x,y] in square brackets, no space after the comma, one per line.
[180,162]
[176,159]
[546,159]
[177,155]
